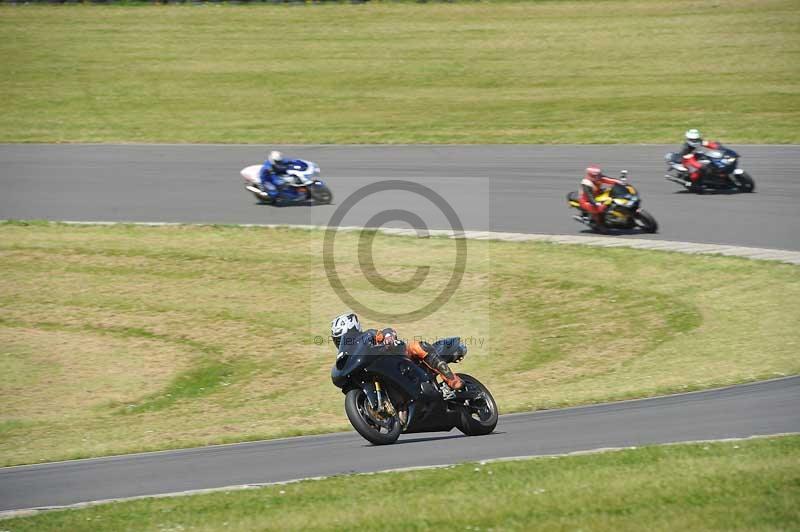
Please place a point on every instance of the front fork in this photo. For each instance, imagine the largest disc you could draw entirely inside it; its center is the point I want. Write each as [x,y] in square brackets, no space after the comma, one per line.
[378,399]
[378,394]
[385,402]
[734,176]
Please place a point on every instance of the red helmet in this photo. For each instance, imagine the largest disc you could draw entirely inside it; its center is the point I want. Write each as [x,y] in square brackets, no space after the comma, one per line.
[594,172]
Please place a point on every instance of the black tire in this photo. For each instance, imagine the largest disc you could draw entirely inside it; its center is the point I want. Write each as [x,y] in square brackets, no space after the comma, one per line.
[599,229]
[746,183]
[645,221]
[481,418]
[354,407]
[321,194]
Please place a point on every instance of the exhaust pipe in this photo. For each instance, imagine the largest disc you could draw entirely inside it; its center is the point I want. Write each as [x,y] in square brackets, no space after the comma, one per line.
[256,190]
[676,180]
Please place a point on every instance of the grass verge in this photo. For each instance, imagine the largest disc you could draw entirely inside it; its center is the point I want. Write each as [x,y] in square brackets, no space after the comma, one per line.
[621,71]
[744,485]
[117,339]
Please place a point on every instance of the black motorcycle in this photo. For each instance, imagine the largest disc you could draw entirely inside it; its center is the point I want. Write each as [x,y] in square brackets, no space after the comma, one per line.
[719,170]
[387,393]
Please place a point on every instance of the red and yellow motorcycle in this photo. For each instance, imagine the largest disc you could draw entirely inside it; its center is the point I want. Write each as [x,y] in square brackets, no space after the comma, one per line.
[623,209]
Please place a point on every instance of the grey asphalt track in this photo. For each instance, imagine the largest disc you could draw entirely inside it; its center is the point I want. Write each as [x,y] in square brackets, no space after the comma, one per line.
[501,188]
[755,409]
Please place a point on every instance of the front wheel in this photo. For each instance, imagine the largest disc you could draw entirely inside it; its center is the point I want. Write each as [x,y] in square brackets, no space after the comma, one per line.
[479,415]
[746,183]
[374,428]
[645,221]
[321,194]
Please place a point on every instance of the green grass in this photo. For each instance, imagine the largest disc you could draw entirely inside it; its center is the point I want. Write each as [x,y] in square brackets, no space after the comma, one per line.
[117,339]
[745,485]
[471,72]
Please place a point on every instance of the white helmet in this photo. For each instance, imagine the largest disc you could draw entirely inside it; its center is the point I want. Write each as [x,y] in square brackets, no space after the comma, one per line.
[343,324]
[693,138]
[275,157]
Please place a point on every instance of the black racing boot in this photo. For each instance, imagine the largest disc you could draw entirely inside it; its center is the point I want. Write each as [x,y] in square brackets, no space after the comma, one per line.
[440,366]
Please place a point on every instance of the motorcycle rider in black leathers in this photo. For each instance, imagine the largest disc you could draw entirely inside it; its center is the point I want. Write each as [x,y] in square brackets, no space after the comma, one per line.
[346,330]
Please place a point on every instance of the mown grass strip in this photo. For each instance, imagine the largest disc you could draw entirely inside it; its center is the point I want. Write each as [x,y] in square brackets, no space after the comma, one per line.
[741,485]
[203,334]
[622,71]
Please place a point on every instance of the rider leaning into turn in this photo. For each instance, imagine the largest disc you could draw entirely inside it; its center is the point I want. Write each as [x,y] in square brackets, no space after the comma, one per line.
[347,328]
[272,172]
[692,141]
[591,186]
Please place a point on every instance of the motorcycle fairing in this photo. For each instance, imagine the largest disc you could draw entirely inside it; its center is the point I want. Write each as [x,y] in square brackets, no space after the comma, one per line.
[299,172]
[395,367]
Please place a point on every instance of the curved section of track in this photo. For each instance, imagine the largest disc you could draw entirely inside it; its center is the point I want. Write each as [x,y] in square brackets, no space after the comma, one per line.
[506,188]
[761,408]
[502,188]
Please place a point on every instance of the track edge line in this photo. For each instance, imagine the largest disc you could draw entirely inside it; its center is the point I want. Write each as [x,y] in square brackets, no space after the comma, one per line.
[27,512]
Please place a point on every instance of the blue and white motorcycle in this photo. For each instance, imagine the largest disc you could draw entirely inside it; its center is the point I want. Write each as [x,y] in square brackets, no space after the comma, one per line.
[305,185]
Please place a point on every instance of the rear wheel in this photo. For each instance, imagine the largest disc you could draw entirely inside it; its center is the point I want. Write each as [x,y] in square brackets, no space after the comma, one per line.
[321,194]
[479,415]
[645,221]
[367,422]
[746,183]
